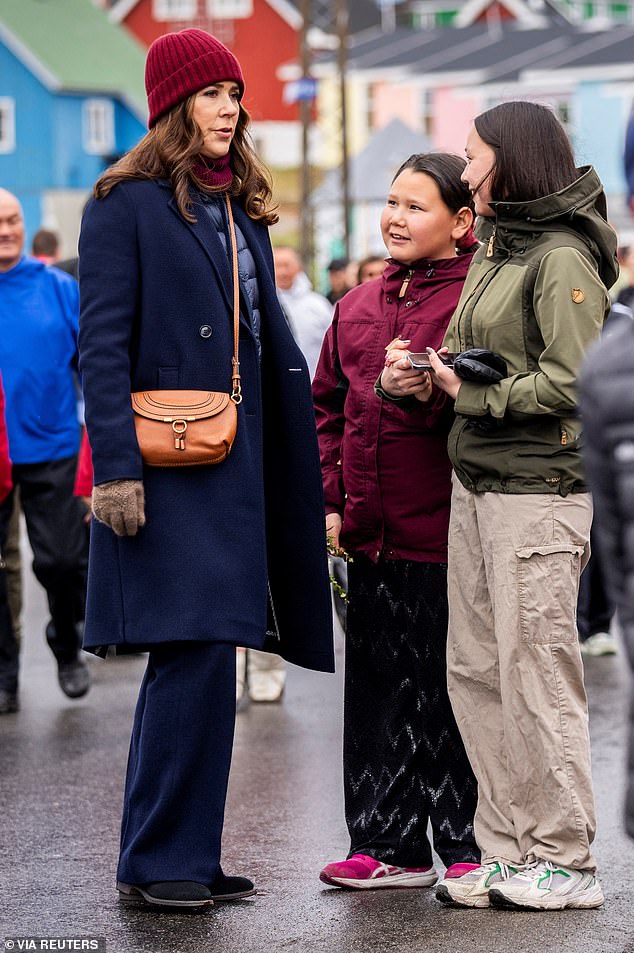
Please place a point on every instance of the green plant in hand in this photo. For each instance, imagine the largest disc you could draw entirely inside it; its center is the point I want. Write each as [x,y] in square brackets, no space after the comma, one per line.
[333,550]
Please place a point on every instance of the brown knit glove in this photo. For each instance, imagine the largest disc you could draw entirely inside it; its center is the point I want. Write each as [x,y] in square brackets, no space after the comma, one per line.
[120,504]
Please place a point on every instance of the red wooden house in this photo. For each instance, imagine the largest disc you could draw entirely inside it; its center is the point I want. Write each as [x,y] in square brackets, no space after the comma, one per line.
[263,34]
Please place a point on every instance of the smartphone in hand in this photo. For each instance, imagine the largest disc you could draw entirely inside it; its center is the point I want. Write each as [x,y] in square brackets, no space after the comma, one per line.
[420,361]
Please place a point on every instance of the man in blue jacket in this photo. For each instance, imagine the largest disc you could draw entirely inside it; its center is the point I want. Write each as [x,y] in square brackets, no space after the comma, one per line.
[39,308]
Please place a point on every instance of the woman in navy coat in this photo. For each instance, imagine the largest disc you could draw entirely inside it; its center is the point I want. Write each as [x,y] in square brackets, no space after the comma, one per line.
[189,562]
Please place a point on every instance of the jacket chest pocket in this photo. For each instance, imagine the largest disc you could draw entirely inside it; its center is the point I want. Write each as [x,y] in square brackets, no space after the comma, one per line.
[493,317]
[548,581]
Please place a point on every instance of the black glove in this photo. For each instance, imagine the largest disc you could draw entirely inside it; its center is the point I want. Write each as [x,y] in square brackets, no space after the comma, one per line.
[480,366]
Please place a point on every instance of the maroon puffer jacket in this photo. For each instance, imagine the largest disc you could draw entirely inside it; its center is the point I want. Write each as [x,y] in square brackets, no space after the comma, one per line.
[384,470]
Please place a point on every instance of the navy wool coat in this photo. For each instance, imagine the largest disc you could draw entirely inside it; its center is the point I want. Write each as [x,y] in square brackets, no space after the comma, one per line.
[228,551]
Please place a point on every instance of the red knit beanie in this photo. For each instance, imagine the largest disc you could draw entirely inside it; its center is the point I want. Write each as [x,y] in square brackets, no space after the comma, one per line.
[179,64]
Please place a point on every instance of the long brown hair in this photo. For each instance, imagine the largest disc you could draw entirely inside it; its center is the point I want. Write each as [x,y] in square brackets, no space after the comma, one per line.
[171,149]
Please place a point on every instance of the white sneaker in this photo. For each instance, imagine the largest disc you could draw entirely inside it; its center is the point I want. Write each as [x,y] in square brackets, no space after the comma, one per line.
[266,686]
[547,886]
[601,643]
[471,889]
[266,676]
[242,698]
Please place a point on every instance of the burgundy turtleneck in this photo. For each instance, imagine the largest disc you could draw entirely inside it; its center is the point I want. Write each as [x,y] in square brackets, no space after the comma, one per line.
[216,174]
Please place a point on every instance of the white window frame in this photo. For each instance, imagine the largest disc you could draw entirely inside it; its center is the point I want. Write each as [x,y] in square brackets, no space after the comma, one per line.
[426,110]
[230,9]
[7,124]
[98,126]
[174,9]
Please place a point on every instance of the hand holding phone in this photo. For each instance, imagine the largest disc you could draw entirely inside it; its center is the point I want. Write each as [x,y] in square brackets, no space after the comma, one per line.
[420,361]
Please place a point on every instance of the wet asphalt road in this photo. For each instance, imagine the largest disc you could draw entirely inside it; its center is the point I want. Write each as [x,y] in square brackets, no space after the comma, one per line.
[61,777]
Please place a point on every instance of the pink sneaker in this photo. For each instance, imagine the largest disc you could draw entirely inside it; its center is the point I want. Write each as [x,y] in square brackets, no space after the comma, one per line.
[361,872]
[458,870]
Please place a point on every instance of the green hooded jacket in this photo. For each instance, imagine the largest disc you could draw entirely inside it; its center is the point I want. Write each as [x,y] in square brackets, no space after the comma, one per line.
[536,295]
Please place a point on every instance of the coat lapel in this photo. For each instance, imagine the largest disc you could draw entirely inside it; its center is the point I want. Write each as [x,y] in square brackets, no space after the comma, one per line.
[209,240]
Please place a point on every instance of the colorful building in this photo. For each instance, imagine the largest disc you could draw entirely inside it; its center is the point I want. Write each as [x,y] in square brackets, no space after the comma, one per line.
[71,100]
[437,80]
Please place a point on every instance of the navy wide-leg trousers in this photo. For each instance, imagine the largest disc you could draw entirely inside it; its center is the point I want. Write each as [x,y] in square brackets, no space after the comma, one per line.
[178,767]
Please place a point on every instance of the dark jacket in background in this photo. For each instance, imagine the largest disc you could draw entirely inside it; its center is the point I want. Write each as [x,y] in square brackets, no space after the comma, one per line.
[70,266]
[5,461]
[606,390]
[387,471]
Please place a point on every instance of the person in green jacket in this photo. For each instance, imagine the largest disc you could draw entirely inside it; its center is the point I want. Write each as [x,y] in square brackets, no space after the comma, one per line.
[519,533]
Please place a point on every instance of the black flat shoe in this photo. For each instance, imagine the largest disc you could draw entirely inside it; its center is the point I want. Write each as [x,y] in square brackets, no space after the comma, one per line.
[180,894]
[231,888]
[73,678]
[8,702]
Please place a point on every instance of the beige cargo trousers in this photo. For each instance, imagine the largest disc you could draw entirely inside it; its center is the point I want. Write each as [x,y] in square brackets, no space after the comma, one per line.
[515,672]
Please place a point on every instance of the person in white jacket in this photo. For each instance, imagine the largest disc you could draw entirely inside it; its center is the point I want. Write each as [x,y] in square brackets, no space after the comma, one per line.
[261,676]
[308,313]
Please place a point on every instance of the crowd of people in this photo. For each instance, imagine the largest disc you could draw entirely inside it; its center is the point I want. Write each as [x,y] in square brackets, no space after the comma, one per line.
[420,418]
[39,317]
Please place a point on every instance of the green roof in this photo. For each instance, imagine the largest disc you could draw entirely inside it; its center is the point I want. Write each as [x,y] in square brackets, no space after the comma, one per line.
[71,45]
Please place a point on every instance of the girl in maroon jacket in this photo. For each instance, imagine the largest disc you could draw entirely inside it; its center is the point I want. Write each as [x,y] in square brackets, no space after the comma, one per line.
[387,487]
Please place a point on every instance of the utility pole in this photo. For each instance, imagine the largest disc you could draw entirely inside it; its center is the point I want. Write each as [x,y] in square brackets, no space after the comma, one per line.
[388,16]
[305,115]
[324,15]
[341,23]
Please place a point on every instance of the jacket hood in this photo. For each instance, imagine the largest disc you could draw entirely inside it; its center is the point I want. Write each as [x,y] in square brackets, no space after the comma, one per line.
[581,208]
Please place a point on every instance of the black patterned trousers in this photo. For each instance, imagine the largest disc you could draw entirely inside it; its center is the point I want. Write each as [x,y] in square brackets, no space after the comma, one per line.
[404,761]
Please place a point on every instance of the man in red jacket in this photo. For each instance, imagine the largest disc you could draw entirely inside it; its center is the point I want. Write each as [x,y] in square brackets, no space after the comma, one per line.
[8,648]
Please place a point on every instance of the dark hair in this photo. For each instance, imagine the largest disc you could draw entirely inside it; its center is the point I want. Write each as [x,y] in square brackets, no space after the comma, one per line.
[45,242]
[171,149]
[338,264]
[445,169]
[533,156]
[368,260]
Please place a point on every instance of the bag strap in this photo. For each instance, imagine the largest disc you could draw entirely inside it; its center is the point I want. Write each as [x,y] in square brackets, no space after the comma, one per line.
[236,387]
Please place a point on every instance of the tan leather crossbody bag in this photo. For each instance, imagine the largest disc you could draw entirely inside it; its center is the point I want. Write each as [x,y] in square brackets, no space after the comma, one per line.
[187,428]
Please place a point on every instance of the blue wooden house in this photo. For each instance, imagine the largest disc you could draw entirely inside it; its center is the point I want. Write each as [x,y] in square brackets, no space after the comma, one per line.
[71,100]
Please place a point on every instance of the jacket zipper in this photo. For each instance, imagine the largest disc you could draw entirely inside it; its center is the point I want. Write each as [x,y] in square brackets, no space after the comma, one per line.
[406,281]
[491,243]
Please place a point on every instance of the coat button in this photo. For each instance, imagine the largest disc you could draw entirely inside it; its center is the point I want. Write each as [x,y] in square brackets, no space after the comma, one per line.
[205,331]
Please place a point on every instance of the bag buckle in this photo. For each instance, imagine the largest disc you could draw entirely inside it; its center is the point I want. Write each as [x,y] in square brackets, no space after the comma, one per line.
[179,427]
